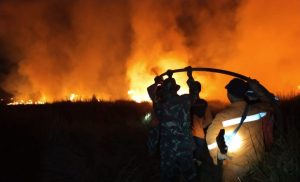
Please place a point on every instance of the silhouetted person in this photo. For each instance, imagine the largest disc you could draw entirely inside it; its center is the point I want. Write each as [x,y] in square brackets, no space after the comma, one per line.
[155,93]
[201,118]
[176,142]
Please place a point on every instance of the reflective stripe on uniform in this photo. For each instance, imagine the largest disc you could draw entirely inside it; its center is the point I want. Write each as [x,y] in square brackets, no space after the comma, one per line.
[212,146]
[234,121]
[250,118]
[233,141]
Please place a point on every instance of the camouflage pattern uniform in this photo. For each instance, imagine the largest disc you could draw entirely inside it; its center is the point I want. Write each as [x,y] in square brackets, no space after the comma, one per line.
[154,131]
[176,142]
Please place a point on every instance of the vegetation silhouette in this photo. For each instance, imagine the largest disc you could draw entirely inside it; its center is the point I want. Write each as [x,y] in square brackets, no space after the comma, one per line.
[106,141]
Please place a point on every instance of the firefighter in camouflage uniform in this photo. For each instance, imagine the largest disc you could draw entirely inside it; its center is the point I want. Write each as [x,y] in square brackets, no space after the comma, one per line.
[175,138]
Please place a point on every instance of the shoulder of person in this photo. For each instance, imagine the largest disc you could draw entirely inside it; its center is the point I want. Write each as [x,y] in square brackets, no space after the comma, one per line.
[229,113]
[201,102]
[184,97]
[262,106]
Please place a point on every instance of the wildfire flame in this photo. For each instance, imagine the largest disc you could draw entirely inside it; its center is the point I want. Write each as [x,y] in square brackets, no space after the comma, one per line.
[26,102]
[73,50]
[71,98]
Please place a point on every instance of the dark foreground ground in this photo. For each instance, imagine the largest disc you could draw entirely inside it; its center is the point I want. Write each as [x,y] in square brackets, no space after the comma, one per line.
[107,142]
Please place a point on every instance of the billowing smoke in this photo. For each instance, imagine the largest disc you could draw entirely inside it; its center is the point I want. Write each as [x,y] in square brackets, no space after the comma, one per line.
[268,46]
[174,35]
[64,47]
[51,49]
[255,38]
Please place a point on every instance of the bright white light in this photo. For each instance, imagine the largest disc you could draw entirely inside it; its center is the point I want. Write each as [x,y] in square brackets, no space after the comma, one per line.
[233,142]
[212,146]
[138,97]
[72,97]
[250,118]
[130,92]
[147,118]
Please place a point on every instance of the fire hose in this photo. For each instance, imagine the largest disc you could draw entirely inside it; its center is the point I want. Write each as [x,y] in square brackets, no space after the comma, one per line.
[271,98]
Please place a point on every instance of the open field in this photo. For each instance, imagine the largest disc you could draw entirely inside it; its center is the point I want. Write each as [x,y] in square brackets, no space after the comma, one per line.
[95,141]
[73,142]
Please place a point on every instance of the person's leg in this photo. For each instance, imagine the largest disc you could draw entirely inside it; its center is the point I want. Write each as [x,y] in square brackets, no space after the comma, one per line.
[201,153]
[168,168]
[207,171]
[187,167]
[168,174]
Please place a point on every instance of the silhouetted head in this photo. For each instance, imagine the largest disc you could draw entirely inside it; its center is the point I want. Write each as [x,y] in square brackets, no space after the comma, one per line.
[236,89]
[198,86]
[170,86]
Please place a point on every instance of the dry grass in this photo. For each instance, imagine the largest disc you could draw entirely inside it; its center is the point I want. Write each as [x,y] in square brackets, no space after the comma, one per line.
[282,163]
[75,142]
[106,141]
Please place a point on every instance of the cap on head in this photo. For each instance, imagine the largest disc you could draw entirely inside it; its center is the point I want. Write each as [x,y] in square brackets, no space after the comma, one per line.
[237,87]
[169,84]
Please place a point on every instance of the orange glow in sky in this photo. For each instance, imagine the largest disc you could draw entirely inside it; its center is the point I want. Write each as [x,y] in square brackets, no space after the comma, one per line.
[114,49]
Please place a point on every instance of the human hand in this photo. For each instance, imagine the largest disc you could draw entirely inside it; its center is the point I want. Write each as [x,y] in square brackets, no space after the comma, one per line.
[220,139]
[189,71]
[253,84]
[169,73]
[222,157]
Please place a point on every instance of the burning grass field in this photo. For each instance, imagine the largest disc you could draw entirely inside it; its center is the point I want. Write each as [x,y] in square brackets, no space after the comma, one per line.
[106,141]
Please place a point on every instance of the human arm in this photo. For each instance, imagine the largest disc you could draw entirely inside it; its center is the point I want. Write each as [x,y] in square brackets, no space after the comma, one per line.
[210,137]
[207,117]
[153,140]
[214,128]
[261,92]
[193,90]
[153,88]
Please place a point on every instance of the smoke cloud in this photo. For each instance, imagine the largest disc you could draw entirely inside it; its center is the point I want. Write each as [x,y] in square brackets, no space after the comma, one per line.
[113,49]
[267,44]
[66,47]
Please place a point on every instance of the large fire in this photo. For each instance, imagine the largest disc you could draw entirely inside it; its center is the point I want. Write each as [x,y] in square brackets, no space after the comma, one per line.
[56,50]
